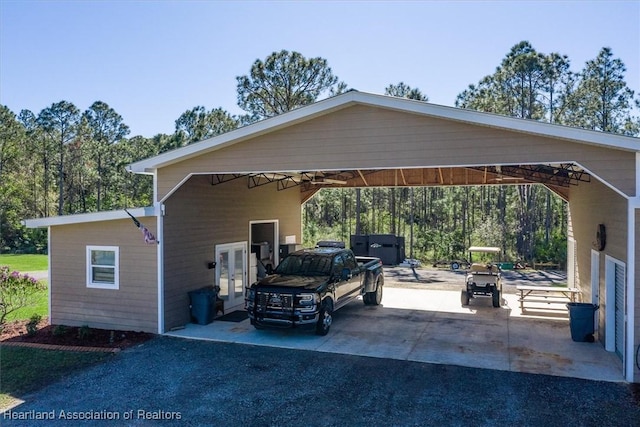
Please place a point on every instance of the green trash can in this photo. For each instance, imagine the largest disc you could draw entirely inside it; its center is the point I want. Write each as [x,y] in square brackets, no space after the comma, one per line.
[202,303]
[581,319]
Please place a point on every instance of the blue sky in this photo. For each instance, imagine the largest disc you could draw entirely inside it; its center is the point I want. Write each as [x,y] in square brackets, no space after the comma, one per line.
[153,60]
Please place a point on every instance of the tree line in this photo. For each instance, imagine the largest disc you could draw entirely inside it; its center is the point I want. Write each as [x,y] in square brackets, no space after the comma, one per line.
[64,161]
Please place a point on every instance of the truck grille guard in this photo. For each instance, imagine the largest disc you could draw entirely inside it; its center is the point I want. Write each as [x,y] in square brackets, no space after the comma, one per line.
[273,301]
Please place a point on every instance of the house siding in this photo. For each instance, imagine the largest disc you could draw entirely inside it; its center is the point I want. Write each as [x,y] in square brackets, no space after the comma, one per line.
[199,216]
[592,204]
[636,315]
[363,137]
[131,307]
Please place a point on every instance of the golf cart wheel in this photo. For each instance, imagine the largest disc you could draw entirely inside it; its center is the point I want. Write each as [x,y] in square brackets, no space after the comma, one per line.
[464,297]
[495,294]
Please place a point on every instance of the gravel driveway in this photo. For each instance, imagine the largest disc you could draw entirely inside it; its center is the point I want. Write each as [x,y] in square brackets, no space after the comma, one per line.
[206,383]
[444,279]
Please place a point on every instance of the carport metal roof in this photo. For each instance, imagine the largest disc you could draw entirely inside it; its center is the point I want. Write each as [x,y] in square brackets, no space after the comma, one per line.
[557,177]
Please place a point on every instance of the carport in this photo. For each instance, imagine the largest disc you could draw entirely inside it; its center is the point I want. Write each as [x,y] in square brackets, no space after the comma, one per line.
[215,198]
[365,140]
[423,323]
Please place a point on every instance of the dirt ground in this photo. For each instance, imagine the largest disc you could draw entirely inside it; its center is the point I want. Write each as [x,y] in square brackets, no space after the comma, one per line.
[71,336]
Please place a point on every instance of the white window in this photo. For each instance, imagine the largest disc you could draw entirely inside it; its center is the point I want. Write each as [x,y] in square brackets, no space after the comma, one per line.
[103,267]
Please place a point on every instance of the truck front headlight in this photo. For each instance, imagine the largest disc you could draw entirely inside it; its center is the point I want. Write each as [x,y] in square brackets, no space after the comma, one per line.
[306,302]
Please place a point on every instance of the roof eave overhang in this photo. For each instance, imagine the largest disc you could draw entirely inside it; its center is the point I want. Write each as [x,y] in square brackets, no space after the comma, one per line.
[88,217]
[584,136]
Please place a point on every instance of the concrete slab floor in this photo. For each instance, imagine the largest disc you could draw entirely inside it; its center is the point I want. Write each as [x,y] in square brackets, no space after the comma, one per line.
[431,326]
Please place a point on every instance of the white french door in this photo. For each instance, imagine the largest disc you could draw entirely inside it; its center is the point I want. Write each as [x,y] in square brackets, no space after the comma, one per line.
[231,274]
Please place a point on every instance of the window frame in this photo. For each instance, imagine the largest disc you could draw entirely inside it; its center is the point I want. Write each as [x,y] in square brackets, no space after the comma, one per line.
[116,267]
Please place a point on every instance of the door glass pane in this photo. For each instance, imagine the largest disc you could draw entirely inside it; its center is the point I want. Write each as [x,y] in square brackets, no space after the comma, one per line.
[238,272]
[223,265]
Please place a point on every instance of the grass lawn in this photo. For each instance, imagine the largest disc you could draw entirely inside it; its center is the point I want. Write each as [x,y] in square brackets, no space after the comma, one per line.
[25,370]
[24,263]
[40,306]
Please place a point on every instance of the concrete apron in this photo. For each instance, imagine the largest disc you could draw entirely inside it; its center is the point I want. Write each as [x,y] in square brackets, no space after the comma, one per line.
[431,326]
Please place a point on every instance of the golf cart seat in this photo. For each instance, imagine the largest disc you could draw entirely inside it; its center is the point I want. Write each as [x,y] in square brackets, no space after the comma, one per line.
[477,268]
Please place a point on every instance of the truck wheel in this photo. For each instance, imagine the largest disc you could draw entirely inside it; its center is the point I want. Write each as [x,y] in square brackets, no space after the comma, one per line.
[325,318]
[495,295]
[256,325]
[464,297]
[366,299]
[375,297]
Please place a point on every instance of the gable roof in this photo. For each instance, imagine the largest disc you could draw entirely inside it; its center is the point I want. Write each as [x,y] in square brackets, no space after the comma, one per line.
[352,98]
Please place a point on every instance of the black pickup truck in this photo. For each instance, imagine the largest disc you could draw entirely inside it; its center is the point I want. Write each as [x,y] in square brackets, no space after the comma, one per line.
[309,285]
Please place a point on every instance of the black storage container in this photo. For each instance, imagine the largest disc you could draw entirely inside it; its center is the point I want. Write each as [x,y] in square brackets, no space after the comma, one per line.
[581,321]
[287,248]
[360,244]
[401,251]
[388,247]
[202,304]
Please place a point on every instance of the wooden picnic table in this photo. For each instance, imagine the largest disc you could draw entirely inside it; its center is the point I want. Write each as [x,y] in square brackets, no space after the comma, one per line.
[546,266]
[546,294]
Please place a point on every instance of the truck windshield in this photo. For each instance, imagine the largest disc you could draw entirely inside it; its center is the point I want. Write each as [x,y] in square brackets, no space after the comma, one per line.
[305,265]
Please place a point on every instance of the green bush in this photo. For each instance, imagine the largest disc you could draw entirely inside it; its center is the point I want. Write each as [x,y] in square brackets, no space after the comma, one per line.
[16,291]
[32,325]
[84,332]
[60,330]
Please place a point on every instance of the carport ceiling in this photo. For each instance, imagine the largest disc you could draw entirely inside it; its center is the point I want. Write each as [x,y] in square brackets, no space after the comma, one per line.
[557,177]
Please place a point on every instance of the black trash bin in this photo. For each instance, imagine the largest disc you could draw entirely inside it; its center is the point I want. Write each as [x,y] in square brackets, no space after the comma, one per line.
[202,304]
[581,321]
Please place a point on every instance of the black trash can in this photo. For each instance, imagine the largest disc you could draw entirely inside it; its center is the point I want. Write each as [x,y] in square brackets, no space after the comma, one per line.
[581,318]
[202,304]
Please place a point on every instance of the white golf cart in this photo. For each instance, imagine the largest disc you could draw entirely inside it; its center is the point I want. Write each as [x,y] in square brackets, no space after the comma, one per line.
[483,278]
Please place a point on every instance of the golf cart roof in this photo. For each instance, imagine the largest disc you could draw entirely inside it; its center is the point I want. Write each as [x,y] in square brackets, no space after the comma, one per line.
[484,249]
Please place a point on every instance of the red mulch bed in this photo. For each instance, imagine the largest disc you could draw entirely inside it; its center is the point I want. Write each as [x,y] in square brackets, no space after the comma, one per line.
[71,335]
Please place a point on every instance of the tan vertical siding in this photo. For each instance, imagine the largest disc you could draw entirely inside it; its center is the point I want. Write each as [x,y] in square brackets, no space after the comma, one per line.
[198,216]
[637,298]
[363,137]
[131,307]
[592,204]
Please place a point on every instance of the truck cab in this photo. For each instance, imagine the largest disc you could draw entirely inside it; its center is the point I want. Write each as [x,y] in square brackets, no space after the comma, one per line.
[309,285]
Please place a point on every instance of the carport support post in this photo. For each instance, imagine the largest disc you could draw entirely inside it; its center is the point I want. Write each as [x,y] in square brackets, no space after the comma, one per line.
[630,270]
[634,204]
[159,211]
[413,205]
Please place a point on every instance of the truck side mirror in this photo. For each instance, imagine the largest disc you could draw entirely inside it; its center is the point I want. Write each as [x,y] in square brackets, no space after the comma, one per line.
[346,274]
